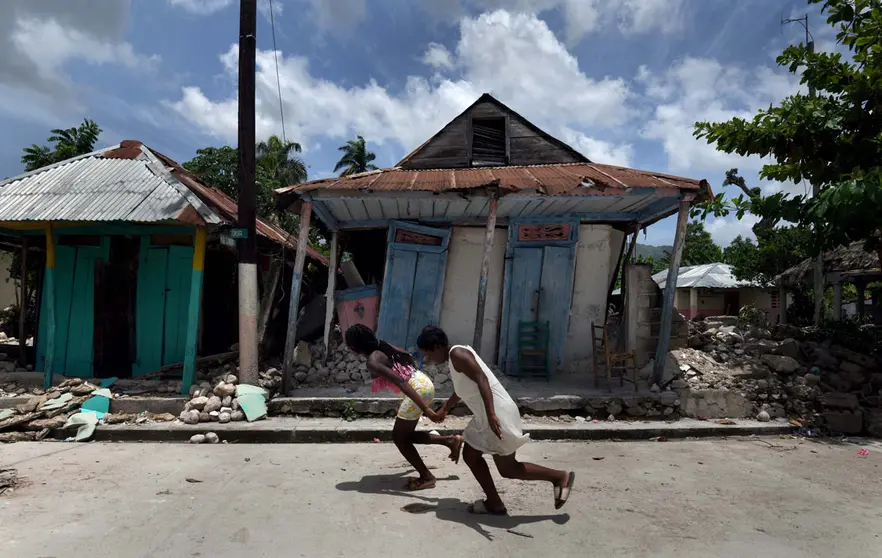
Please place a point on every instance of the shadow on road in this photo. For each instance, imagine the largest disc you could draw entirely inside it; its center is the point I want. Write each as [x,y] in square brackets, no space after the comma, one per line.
[446,509]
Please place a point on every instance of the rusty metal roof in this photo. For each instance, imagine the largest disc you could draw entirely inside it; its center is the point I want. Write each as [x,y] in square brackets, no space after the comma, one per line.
[563,179]
[128,182]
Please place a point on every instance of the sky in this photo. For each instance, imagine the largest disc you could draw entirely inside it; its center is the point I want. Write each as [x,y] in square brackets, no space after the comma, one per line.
[622,81]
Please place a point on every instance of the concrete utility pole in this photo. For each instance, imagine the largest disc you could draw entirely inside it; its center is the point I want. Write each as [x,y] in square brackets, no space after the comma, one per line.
[248,351]
[818,276]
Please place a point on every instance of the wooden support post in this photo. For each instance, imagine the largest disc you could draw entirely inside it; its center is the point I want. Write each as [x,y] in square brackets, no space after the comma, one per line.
[837,300]
[782,306]
[23,306]
[193,311]
[667,314]
[485,272]
[294,302]
[50,308]
[269,293]
[329,296]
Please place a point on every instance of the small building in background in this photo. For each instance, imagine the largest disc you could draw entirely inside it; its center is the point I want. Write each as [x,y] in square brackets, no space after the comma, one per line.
[713,290]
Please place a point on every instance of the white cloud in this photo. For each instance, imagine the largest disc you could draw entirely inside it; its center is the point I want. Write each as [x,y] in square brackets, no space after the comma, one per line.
[599,151]
[438,56]
[725,230]
[513,56]
[201,7]
[49,45]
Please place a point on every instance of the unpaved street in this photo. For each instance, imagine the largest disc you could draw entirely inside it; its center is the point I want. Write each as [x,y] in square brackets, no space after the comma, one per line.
[757,498]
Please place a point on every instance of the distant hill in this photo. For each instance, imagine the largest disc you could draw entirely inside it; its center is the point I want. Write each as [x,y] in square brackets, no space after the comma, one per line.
[656,252]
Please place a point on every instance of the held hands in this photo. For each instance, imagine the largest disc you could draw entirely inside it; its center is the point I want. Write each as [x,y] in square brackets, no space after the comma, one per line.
[436,416]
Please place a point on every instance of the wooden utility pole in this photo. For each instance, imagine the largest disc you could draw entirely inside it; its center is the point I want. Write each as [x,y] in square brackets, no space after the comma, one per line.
[248,345]
[667,313]
[485,273]
[294,301]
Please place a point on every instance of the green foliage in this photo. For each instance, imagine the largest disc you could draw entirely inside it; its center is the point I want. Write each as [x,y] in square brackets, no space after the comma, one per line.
[656,265]
[831,137]
[66,143]
[698,249]
[356,158]
[775,251]
[750,315]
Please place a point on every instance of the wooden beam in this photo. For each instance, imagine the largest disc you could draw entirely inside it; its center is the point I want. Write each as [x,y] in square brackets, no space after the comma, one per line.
[294,302]
[489,233]
[667,314]
[50,308]
[23,306]
[266,303]
[193,311]
[329,296]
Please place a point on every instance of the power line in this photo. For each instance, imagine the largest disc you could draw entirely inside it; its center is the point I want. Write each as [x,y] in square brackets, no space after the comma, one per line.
[278,79]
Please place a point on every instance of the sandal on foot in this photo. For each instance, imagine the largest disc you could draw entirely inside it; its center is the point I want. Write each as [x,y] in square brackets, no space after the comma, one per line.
[480,508]
[420,484]
[562,493]
[456,451]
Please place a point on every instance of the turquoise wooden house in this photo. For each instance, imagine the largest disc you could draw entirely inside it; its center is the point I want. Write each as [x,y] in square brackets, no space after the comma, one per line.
[136,276]
[498,232]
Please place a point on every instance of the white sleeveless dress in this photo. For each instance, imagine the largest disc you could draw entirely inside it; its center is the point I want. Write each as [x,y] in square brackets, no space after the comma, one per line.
[478,434]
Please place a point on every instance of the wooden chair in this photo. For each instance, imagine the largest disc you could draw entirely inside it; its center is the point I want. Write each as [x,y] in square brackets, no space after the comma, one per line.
[612,360]
[533,350]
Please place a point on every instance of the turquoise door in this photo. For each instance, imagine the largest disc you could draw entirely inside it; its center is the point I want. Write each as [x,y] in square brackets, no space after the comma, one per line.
[539,271]
[416,260]
[74,311]
[164,276]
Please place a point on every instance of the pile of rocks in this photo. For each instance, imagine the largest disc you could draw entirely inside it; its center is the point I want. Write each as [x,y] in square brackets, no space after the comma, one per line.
[782,373]
[217,404]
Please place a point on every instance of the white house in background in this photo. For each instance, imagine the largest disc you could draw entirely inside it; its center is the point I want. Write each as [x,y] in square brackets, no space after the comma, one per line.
[713,290]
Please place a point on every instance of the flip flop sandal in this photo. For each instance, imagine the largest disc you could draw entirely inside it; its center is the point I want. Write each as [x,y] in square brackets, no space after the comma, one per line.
[561,495]
[456,453]
[415,485]
[480,508]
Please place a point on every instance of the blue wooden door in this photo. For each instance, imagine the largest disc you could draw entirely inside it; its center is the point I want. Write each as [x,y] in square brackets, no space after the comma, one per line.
[416,259]
[163,299]
[538,287]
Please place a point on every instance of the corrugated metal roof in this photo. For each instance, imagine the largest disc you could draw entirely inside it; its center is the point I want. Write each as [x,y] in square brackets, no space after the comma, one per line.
[128,182]
[564,179]
[707,276]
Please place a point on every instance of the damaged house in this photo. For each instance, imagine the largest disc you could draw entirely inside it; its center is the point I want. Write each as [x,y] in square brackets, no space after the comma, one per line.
[503,235]
[139,275]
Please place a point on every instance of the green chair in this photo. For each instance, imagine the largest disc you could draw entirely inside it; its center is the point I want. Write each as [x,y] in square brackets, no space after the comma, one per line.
[533,357]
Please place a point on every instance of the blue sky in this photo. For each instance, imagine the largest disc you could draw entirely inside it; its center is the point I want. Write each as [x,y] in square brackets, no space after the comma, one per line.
[623,81]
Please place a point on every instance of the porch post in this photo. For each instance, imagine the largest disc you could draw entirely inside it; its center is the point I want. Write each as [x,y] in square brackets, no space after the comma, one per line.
[294,302]
[23,305]
[193,311]
[693,303]
[50,307]
[782,305]
[485,271]
[329,296]
[667,313]
[837,300]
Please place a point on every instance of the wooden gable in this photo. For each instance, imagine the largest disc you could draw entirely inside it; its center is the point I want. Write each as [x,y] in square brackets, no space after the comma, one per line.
[486,134]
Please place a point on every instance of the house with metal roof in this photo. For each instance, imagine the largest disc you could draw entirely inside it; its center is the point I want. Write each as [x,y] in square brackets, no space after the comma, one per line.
[503,235]
[138,273]
[713,290]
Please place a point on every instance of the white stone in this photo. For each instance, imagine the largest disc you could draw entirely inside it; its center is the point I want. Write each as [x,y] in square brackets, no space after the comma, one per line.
[190,417]
[212,437]
[226,410]
[227,401]
[214,404]
[224,389]
[215,415]
[655,388]
[235,405]
[198,403]
[237,416]
[224,418]
[197,438]
[231,379]
[611,418]
[763,416]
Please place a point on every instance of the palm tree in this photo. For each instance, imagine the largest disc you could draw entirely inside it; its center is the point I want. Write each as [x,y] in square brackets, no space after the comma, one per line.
[276,158]
[68,142]
[356,158]
[36,156]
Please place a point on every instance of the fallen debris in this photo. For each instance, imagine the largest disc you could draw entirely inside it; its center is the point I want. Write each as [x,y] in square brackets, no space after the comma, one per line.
[9,480]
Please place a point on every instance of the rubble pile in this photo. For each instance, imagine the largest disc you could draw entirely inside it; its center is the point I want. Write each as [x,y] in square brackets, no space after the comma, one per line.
[783,373]
[222,403]
[43,415]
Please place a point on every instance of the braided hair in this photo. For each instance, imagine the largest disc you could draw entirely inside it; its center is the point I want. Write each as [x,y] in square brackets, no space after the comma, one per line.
[362,340]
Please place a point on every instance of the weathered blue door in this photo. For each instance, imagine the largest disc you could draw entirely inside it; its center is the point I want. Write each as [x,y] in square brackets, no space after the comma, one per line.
[538,286]
[416,258]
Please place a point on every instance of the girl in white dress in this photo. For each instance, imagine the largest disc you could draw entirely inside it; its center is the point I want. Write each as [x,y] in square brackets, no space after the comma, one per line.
[496,426]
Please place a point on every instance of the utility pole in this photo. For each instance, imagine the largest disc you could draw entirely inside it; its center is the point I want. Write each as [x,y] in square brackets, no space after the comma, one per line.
[818,275]
[248,356]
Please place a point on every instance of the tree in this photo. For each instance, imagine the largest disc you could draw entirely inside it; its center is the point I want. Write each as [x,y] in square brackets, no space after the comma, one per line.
[775,251]
[698,248]
[67,143]
[829,137]
[278,160]
[356,158]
